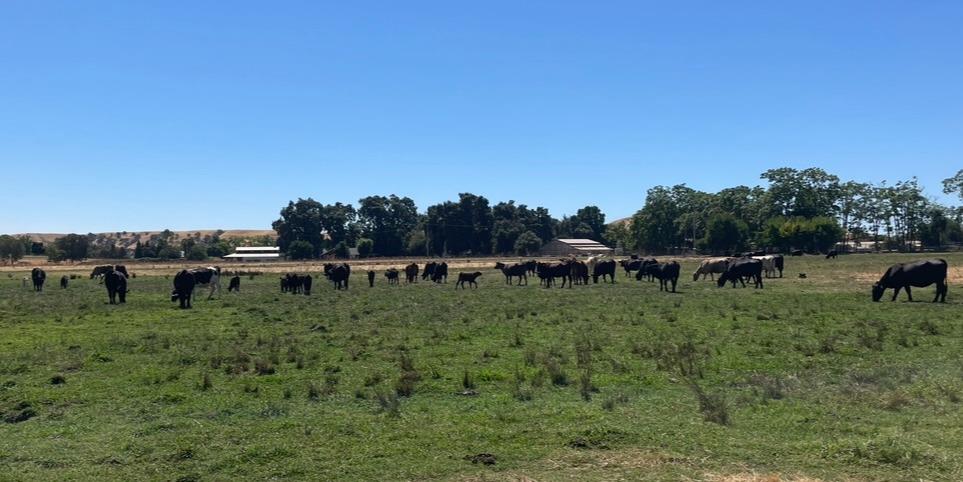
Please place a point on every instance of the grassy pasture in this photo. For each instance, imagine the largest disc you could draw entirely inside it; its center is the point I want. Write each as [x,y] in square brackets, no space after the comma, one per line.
[806,378]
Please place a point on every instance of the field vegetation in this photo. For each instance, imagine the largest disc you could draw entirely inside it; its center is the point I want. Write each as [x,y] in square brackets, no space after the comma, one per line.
[806,378]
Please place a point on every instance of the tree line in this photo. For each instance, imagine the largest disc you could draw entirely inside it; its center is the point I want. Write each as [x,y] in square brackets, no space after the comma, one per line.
[393,226]
[809,209]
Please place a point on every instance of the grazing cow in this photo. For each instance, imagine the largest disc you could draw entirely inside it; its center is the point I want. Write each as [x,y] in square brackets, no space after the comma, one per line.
[235,284]
[579,271]
[780,263]
[411,273]
[548,272]
[710,266]
[740,269]
[63,282]
[647,269]
[666,273]
[516,270]
[338,274]
[183,288]
[919,274]
[210,276]
[371,277]
[392,275]
[116,284]
[603,269]
[467,278]
[796,252]
[441,273]
[429,271]
[38,276]
[768,265]
[832,254]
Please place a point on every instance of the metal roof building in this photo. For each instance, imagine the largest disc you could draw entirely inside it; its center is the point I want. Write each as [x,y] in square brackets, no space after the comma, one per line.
[574,247]
[255,253]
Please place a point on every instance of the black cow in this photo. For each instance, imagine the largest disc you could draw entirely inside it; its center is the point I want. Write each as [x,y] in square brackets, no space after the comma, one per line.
[467,278]
[101,271]
[530,267]
[666,273]
[183,288]
[630,265]
[647,269]
[603,269]
[371,277]
[919,274]
[306,282]
[831,254]
[429,271]
[779,262]
[548,272]
[38,276]
[392,275]
[235,284]
[411,273]
[116,284]
[441,273]
[517,270]
[338,274]
[579,271]
[741,268]
[63,282]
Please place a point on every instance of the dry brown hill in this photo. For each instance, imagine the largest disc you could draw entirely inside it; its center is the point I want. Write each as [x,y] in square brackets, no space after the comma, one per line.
[122,235]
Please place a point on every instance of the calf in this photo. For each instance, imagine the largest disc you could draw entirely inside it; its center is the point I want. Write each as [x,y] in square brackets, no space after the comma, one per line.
[371,277]
[235,284]
[63,282]
[580,272]
[467,278]
[548,272]
[183,288]
[392,275]
[831,254]
[630,265]
[429,271]
[918,273]
[339,274]
[742,268]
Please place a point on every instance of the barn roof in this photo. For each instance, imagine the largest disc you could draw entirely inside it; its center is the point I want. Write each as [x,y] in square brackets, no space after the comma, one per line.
[253,255]
[582,244]
[262,249]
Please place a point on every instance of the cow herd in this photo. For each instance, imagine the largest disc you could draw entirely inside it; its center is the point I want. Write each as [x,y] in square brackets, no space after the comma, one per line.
[751,268]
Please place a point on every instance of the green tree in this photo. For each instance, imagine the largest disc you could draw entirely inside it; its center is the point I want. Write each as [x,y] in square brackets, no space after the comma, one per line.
[807,193]
[527,243]
[954,184]
[387,221]
[72,246]
[218,248]
[301,221]
[365,247]
[725,234]
[341,250]
[197,252]
[300,249]
[11,249]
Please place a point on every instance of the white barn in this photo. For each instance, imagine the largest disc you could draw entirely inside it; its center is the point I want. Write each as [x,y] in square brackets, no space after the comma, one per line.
[255,253]
[574,247]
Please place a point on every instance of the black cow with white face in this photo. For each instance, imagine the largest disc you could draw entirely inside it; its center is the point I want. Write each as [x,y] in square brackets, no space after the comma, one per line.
[919,274]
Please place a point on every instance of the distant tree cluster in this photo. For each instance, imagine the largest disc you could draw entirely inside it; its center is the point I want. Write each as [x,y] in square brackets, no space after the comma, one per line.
[392,226]
[808,209]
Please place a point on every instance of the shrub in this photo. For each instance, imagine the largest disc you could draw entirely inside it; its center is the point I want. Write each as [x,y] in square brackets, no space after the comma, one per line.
[300,250]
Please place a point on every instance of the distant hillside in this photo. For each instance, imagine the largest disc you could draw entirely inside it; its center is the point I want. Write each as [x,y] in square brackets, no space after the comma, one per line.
[619,221]
[133,236]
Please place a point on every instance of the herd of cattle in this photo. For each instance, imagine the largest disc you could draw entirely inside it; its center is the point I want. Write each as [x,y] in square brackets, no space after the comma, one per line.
[752,267]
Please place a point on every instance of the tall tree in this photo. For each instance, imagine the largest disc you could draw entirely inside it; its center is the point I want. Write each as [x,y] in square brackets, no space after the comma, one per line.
[954,184]
[72,246]
[387,221]
[300,221]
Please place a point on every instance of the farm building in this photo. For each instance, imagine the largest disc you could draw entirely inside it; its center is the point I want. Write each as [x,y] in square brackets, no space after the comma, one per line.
[255,253]
[574,247]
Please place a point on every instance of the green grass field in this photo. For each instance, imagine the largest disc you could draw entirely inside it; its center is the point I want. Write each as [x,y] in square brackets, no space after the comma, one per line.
[806,378]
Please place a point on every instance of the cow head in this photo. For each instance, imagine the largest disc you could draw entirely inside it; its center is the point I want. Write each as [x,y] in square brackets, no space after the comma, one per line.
[878,290]
[722,279]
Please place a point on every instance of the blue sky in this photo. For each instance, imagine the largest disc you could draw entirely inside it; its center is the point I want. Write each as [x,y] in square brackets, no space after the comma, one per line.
[187,115]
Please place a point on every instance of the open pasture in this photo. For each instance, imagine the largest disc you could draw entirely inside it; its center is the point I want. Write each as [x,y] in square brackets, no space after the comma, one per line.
[804,378]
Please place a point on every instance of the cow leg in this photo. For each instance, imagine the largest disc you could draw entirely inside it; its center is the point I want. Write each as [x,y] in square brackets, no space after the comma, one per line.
[896,292]
[674,281]
[909,294]
[939,289]
[760,281]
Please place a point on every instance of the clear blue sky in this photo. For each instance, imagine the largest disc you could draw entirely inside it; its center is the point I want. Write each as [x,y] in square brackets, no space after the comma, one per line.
[187,115]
